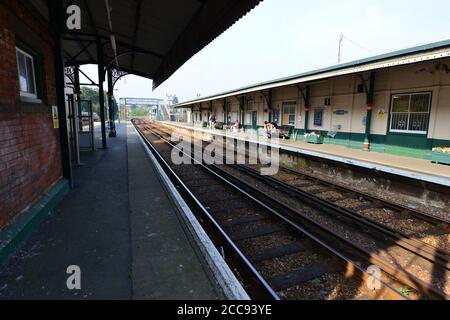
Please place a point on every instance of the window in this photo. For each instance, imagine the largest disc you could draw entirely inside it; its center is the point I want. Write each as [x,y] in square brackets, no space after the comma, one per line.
[410,113]
[250,104]
[318,117]
[248,118]
[25,66]
[234,116]
[289,113]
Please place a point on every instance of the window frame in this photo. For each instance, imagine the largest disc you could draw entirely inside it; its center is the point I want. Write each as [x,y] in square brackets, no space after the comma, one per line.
[290,104]
[232,113]
[26,54]
[248,117]
[407,131]
[250,104]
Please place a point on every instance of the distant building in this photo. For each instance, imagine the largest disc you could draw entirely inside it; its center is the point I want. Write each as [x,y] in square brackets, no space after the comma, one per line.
[148,108]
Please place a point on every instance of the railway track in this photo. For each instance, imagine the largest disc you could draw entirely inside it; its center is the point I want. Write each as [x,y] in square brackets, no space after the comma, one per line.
[250,223]
[405,224]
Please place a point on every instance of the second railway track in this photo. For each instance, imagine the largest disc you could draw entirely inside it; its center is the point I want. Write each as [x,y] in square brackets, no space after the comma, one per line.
[253,225]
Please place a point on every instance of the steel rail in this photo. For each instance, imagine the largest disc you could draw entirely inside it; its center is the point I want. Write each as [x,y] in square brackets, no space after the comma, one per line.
[401,275]
[216,225]
[355,266]
[390,204]
[396,272]
[417,247]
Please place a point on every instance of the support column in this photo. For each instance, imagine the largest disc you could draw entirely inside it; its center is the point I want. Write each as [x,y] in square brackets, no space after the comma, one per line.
[56,15]
[370,106]
[76,77]
[101,93]
[242,107]
[225,111]
[112,124]
[269,104]
[307,106]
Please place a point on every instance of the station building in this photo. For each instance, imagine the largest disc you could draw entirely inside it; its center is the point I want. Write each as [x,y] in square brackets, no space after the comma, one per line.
[38,53]
[30,152]
[396,103]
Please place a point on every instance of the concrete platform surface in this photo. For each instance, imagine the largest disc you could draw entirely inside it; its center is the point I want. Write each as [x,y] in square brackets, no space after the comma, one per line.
[121,228]
[405,166]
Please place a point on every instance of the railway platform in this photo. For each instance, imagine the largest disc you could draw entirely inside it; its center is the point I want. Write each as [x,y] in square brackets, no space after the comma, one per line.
[121,227]
[413,168]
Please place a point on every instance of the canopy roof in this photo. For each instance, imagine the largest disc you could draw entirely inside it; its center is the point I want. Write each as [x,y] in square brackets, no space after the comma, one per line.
[427,52]
[153,37]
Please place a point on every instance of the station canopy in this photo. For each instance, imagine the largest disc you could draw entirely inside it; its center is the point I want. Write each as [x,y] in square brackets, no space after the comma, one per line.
[153,38]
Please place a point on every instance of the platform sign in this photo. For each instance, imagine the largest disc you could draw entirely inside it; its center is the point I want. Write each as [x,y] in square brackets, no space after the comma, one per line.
[55,117]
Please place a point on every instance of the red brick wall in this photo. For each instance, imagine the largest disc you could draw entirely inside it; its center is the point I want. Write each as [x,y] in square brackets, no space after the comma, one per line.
[30,160]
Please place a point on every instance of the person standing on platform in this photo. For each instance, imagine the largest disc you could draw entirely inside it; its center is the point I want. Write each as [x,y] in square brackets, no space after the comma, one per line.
[212,121]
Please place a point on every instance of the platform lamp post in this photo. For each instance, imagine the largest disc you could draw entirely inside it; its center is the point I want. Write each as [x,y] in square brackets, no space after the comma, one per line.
[370,106]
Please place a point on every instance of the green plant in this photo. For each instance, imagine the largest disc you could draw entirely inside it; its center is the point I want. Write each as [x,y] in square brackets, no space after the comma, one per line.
[404,291]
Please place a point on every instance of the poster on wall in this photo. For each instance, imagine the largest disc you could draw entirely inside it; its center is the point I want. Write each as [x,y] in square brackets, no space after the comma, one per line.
[381,115]
[55,117]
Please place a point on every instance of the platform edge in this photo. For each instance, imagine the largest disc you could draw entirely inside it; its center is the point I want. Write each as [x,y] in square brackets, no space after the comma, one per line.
[228,282]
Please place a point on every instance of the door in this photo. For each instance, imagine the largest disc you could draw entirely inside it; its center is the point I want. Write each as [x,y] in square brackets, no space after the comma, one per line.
[254,120]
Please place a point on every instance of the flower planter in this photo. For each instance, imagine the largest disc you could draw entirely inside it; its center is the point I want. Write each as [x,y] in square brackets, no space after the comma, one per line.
[440,157]
[315,139]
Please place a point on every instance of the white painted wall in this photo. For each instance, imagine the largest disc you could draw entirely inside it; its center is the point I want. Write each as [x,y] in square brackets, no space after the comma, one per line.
[420,77]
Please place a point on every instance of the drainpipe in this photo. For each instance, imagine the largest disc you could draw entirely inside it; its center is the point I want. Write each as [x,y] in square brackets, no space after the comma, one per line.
[307,106]
[56,15]
[370,106]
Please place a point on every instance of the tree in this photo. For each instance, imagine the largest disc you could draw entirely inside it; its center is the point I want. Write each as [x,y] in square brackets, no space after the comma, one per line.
[88,93]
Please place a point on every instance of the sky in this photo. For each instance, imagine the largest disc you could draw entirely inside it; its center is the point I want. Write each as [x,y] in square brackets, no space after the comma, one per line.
[285,37]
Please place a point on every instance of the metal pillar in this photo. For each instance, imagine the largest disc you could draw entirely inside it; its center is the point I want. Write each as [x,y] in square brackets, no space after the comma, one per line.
[112,124]
[56,15]
[225,111]
[370,106]
[307,106]
[242,107]
[76,77]
[270,104]
[101,97]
